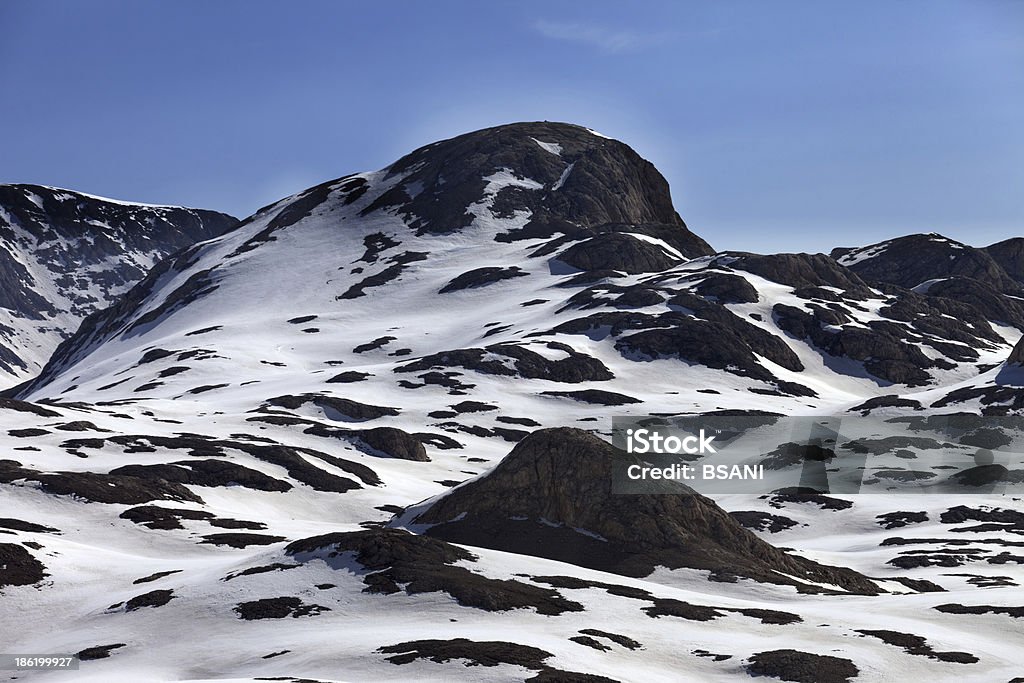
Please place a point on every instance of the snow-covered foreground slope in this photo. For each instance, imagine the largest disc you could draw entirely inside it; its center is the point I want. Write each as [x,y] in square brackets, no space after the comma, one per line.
[335,365]
[66,254]
[325,623]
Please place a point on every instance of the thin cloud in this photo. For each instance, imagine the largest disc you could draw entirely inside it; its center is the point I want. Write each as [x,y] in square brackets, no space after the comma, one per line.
[604,39]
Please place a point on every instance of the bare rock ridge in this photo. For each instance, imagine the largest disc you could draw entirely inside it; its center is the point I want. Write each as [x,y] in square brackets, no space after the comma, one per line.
[552,496]
[590,185]
[914,260]
[989,280]
[1009,254]
[66,254]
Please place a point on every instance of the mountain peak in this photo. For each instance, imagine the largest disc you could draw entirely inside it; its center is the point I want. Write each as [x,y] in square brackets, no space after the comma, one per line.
[561,178]
[917,260]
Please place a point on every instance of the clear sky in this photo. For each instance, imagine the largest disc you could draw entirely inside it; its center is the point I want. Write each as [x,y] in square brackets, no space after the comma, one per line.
[781,126]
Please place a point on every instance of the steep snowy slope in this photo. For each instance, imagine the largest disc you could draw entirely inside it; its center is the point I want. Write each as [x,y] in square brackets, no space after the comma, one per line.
[65,254]
[294,443]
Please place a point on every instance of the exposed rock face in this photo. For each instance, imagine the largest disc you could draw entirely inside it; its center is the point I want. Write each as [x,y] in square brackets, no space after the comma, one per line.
[335,408]
[481,277]
[18,567]
[884,354]
[395,561]
[100,488]
[586,181]
[912,260]
[65,255]
[800,271]
[1016,356]
[726,288]
[514,360]
[617,251]
[982,297]
[802,667]
[570,182]
[552,497]
[1009,254]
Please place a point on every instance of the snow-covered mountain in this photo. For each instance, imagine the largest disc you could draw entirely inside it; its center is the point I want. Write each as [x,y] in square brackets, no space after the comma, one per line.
[363,436]
[65,254]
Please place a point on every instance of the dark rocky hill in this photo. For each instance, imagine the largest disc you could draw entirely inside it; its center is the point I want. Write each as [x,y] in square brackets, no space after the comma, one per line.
[553,497]
[590,185]
[915,259]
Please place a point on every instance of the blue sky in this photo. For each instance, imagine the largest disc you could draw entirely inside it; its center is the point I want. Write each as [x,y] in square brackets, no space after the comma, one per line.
[781,126]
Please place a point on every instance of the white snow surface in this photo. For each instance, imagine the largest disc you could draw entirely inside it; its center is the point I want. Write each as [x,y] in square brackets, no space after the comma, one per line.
[552,147]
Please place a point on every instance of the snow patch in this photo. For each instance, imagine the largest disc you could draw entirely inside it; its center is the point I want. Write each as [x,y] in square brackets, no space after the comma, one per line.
[552,147]
[562,178]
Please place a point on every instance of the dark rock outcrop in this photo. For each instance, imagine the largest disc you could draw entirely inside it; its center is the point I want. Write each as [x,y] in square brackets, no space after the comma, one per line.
[18,567]
[552,496]
[277,608]
[618,251]
[335,408]
[487,653]
[204,473]
[1009,254]
[800,271]
[398,561]
[591,181]
[802,667]
[914,259]
[98,651]
[481,277]
[983,298]
[96,487]
[574,368]
[1016,356]
[726,288]
[884,354]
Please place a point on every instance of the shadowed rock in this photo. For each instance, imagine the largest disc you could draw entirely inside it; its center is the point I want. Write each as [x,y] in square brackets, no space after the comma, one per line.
[18,567]
[100,488]
[618,251]
[489,654]
[1009,254]
[800,271]
[802,667]
[494,360]
[552,497]
[335,408]
[591,181]
[398,561]
[277,608]
[911,260]
[481,277]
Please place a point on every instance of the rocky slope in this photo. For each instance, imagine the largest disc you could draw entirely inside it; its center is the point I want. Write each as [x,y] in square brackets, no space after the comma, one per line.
[64,255]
